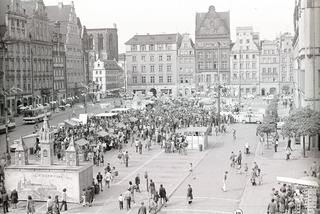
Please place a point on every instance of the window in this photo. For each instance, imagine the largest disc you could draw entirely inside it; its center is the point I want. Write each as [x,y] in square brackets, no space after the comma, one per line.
[143,48]
[100,72]
[240,41]
[134,68]
[274,59]
[224,65]
[247,75]
[160,68]
[160,58]
[168,57]
[151,58]
[181,79]
[208,78]
[200,54]
[234,56]
[168,68]
[152,79]
[133,48]
[97,79]
[254,65]
[168,46]
[241,65]
[254,75]
[134,79]
[143,58]
[253,56]
[143,68]
[247,56]
[160,79]
[247,41]
[235,66]
[169,79]
[235,76]
[151,68]
[274,71]
[134,59]
[151,47]
[143,79]
[248,65]
[160,48]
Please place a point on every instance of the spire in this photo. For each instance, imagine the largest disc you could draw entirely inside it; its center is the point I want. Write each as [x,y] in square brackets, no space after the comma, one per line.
[45,123]
[72,146]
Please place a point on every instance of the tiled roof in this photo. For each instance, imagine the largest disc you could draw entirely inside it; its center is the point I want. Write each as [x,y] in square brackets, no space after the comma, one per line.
[154,39]
[225,17]
[111,65]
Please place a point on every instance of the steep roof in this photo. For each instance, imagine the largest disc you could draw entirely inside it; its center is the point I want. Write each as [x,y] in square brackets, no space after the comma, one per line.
[224,16]
[154,39]
[111,65]
[56,13]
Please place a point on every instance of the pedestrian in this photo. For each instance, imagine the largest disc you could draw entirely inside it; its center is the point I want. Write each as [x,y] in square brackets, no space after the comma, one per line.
[49,205]
[246,168]
[131,189]
[64,200]
[5,201]
[142,209]
[232,159]
[14,199]
[224,186]
[140,147]
[239,158]
[276,144]
[313,169]
[108,179]
[253,177]
[30,205]
[126,157]
[100,179]
[137,182]
[153,207]
[120,199]
[189,194]
[288,154]
[137,145]
[152,188]
[108,168]
[84,197]
[234,134]
[289,145]
[163,195]
[272,207]
[56,207]
[127,197]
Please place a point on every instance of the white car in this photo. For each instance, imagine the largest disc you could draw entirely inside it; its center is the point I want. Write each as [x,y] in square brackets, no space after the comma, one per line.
[251,118]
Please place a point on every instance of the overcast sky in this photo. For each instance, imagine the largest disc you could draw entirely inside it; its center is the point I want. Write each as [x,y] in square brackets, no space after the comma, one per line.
[269,17]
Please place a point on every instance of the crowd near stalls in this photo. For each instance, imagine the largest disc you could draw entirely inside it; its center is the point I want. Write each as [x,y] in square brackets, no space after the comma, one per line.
[156,124]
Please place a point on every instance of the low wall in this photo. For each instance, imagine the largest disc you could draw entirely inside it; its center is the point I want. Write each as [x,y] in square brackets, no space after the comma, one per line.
[41,181]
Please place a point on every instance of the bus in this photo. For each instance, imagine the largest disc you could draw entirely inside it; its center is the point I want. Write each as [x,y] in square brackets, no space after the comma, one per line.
[36,115]
[11,125]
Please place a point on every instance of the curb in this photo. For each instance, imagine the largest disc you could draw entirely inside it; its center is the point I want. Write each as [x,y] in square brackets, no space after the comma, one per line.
[184,178]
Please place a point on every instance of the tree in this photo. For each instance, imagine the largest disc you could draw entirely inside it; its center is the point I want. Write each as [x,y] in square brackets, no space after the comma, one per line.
[267,127]
[302,122]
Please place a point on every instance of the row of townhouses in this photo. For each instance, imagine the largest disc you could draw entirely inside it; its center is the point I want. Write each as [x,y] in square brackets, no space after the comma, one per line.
[174,64]
[47,55]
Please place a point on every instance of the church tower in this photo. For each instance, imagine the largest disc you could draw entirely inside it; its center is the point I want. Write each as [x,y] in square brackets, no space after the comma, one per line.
[21,153]
[72,155]
[46,136]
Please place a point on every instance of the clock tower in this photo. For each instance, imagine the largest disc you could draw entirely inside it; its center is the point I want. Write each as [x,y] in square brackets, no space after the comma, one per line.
[72,156]
[46,136]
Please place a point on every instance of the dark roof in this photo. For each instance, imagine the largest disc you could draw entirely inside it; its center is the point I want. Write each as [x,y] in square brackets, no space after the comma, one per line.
[59,14]
[154,39]
[224,16]
[111,65]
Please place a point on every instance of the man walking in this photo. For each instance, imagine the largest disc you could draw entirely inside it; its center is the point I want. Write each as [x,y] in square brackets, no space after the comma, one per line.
[64,199]
[142,209]
[224,186]
[100,179]
[5,201]
[289,145]
[126,158]
[163,195]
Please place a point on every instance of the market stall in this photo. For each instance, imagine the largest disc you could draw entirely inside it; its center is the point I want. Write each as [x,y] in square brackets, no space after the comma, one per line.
[197,137]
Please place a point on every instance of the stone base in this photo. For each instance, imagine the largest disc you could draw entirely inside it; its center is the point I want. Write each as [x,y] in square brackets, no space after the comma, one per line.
[42,181]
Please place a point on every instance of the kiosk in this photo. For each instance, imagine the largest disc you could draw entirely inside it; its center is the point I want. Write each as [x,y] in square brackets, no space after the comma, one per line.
[197,137]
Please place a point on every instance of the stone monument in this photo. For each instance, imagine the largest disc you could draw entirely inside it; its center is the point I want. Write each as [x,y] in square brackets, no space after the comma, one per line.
[46,138]
[72,154]
[21,153]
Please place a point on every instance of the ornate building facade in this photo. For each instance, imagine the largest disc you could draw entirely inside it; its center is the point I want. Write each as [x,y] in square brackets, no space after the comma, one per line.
[244,62]
[71,29]
[151,62]
[15,57]
[306,44]
[186,67]
[212,48]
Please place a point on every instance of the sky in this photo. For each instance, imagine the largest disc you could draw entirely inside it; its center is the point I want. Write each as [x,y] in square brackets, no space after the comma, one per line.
[268,17]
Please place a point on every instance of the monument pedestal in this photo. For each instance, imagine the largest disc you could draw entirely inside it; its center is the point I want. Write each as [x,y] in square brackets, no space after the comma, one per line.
[41,181]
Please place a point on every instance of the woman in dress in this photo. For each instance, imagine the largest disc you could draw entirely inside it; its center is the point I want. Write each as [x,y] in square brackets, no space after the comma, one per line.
[189,194]
[30,205]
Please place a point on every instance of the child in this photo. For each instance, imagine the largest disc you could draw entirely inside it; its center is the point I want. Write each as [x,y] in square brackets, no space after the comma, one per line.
[121,202]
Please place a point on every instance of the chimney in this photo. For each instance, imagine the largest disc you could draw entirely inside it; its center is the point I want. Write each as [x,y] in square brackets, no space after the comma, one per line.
[60,5]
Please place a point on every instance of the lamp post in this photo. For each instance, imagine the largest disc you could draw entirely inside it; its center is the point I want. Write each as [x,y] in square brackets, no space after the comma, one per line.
[219,87]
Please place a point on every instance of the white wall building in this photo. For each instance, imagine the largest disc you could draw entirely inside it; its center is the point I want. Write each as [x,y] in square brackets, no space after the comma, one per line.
[151,62]
[244,62]
[99,75]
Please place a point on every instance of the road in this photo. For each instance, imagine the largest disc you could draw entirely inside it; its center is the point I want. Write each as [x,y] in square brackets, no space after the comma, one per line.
[22,130]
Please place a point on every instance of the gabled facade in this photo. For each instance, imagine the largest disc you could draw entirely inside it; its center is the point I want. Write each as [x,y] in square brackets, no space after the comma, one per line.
[186,67]
[212,49]
[244,63]
[71,29]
